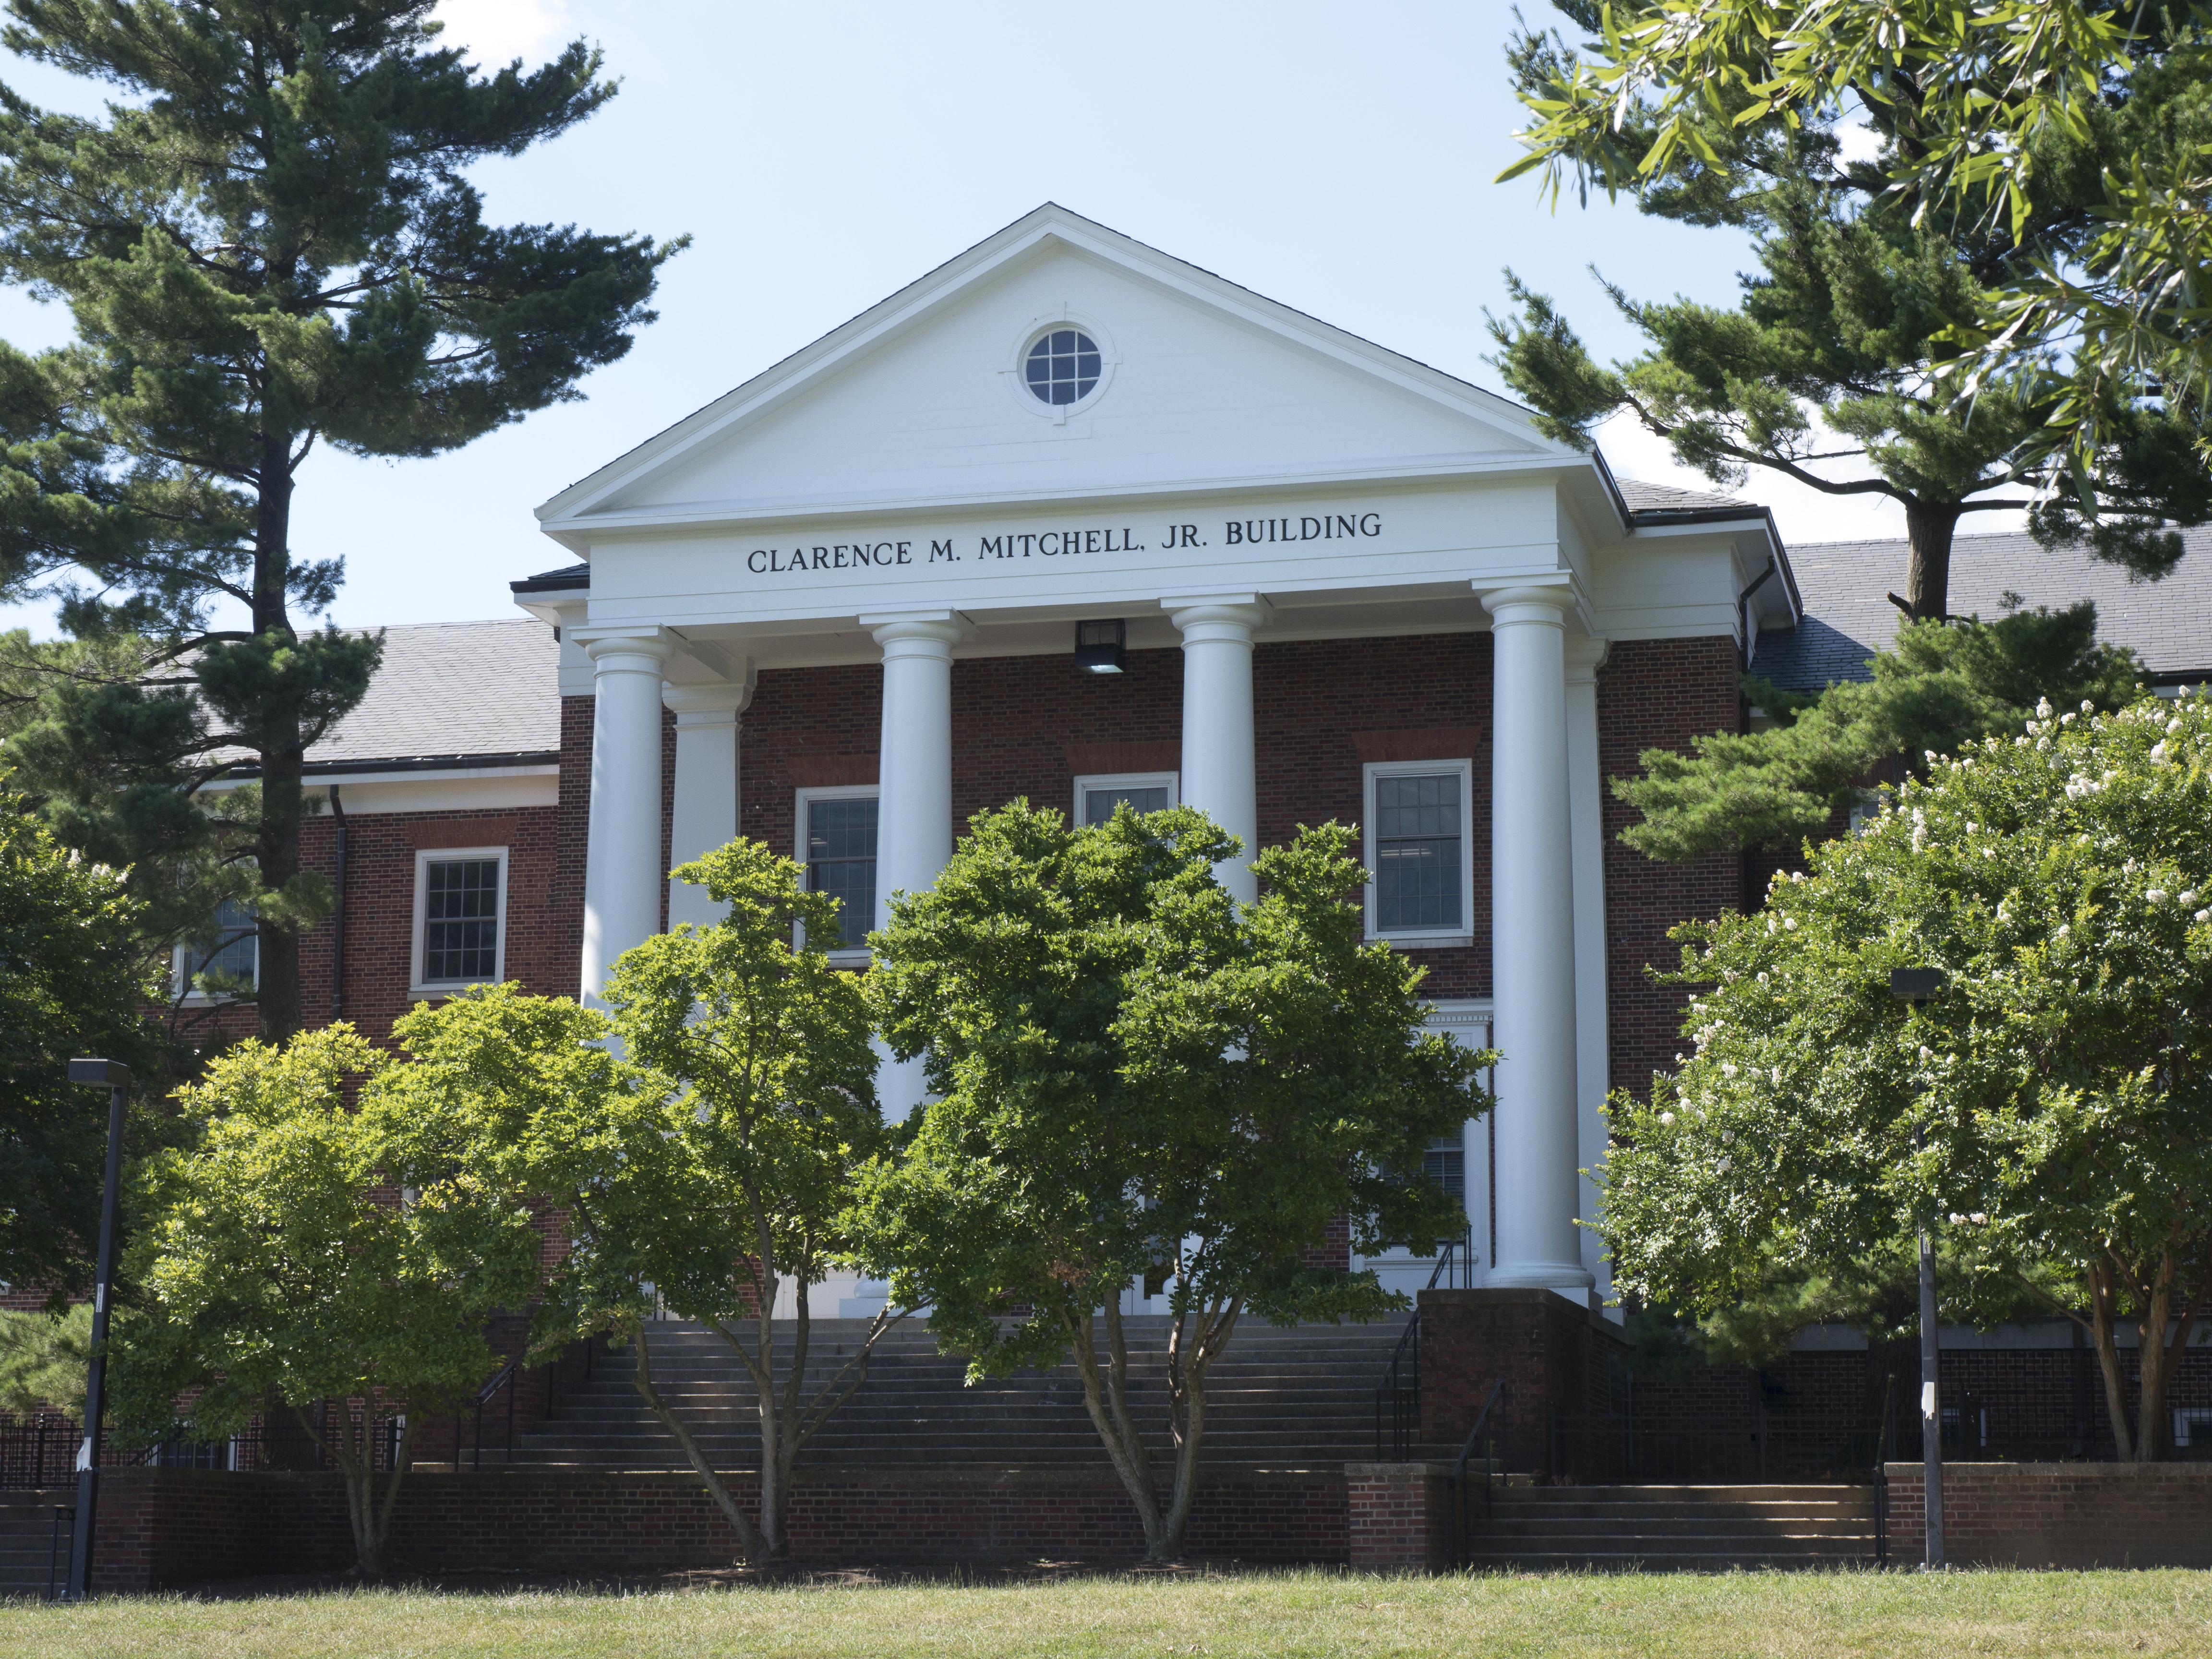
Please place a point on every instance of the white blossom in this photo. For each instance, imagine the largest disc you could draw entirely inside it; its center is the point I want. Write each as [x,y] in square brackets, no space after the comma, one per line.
[2189,896]
[2066,720]
[2158,749]
[1926,1053]
[2043,710]
[1789,924]
[1667,1120]
[2155,896]
[1978,1218]
[2173,728]
[2089,708]
[1728,1069]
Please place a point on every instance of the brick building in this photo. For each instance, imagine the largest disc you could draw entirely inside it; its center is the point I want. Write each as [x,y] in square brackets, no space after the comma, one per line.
[1068,519]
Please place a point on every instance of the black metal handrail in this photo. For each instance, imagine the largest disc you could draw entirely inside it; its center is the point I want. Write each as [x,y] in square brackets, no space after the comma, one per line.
[1881,1452]
[1398,1395]
[1456,1485]
[65,1525]
[504,1377]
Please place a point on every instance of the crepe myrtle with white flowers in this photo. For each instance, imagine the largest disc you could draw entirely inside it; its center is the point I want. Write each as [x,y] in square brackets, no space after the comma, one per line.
[2051,1109]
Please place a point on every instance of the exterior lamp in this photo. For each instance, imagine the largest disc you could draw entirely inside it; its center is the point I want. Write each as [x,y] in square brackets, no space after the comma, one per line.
[113,1076]
[1914,986]
[1099,645]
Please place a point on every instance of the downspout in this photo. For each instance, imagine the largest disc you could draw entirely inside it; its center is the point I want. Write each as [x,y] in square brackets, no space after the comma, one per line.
[337,911]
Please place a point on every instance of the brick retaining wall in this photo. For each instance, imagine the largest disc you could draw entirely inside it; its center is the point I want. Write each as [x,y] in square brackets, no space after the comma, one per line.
[2059,1515]
[162,1528]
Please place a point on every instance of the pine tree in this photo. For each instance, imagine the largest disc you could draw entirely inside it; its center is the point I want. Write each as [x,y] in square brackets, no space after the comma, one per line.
[268,243]
[1857,305]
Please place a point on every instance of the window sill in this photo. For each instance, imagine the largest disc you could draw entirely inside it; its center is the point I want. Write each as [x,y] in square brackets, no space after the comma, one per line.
[850,958]
[440,993]
[1424,941]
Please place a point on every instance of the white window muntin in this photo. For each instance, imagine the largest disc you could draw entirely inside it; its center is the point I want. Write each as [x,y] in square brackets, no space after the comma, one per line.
[181,970]
[1463,770]
[418,986]
[801,799]
[1119,782]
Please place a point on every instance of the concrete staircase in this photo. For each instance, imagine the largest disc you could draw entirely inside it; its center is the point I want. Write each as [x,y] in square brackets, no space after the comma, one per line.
[27,1534]
[1279,1398]
[1678,1528]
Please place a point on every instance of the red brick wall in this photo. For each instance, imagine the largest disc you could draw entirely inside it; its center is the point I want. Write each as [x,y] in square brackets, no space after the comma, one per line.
[2058,1515]
[1398,1518]
[1556,1359]
[164,1527]
[1029,726]
[1656,694]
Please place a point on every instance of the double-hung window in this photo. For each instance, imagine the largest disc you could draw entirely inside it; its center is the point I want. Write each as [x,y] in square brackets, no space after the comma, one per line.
[837,845]
[460,919]
[1420,851]
[1095,798]
[227,963]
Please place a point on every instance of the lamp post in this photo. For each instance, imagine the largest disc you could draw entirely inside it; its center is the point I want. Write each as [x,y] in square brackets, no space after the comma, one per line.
[114,1076]
[1916,986]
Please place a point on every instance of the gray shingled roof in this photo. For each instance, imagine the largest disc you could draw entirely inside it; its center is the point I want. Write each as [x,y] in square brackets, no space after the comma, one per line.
[1848,615]
[1639,496]
[476,689]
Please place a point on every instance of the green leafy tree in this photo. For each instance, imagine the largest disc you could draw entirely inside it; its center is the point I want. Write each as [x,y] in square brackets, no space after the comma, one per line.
[1827,370]
[713,1169]
[2071,135]
[2050,1111]
[318,1259]
[1134,1080]
[269,242]
[73,981]
[1938,687]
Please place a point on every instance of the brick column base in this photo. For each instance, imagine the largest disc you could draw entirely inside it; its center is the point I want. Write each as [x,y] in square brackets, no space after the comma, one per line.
[1399,1517]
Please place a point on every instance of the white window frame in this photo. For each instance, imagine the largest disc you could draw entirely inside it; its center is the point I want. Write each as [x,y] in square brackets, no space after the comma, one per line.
[1171,781]
[1422,937]
[801,799]
[417,991]
[183,991]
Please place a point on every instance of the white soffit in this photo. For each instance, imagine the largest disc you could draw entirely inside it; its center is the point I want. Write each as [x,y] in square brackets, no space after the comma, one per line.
[917,402]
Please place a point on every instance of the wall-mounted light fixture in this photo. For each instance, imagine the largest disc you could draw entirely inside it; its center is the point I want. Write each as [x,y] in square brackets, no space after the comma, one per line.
[1099,645]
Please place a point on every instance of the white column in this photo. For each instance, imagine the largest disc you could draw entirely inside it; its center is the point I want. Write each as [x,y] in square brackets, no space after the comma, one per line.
[1532,944]
[623,875]
[913,807]
[1218,775]
[1586,831]
[705,805]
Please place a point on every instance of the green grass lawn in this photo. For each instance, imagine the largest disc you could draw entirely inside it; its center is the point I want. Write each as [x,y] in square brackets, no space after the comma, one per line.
[1272,1615]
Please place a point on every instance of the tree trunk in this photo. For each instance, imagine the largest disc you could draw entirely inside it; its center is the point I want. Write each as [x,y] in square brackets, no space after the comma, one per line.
[277,737]
[1187,1373]
[1106,1397]
[1929,528]
[2161,1356]
[2104,1296]
[751,1544]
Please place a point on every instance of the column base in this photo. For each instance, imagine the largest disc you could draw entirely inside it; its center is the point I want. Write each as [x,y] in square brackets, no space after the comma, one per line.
[1570,1278]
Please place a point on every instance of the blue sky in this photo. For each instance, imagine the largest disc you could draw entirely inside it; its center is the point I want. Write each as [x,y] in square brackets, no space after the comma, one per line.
[1337,158]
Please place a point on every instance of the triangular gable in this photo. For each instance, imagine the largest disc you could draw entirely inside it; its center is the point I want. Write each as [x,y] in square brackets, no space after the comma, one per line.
[917,400]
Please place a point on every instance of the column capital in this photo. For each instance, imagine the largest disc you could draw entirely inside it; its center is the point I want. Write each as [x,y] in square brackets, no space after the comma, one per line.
[718,702]
[1586,654]
[649,647]
[1544,601]
[1217,616]
[921,633]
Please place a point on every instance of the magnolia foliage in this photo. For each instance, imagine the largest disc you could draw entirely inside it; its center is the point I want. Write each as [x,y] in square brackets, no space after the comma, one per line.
[2052,1108]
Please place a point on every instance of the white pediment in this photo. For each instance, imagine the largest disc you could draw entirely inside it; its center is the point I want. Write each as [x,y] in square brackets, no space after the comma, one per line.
[920,401]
